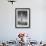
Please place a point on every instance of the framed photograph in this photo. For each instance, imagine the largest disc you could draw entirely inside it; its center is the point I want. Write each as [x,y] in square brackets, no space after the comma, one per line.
[22,17]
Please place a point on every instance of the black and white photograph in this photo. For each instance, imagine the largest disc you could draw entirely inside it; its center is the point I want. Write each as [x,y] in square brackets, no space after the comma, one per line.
[22,17]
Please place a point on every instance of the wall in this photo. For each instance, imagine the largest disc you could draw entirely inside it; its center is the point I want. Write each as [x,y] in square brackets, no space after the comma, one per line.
[38,17]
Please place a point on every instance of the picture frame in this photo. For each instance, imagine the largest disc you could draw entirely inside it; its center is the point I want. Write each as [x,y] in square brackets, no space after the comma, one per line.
[22,17]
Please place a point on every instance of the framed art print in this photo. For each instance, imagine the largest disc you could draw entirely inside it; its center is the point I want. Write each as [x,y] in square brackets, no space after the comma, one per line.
[22,17]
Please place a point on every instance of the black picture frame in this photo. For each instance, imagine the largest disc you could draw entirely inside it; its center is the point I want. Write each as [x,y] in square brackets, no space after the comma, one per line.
[21,14]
